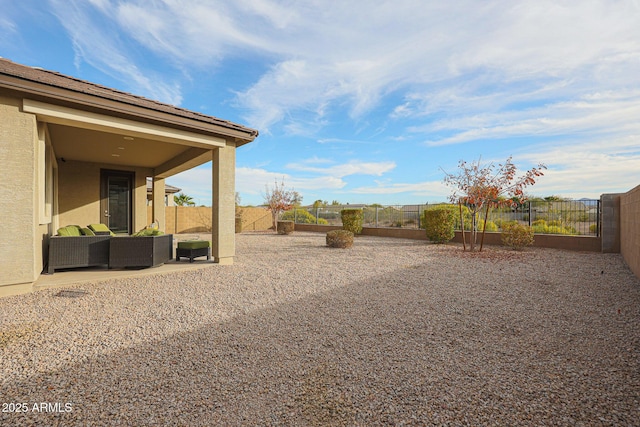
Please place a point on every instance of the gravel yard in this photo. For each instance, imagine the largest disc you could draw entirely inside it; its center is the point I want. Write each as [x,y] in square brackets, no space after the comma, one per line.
[389,332]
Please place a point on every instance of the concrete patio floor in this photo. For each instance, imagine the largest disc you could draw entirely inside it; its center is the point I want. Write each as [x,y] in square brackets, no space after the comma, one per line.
[68,277]
[96,274]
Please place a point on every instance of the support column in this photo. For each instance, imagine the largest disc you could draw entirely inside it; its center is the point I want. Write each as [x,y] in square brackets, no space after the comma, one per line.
[158,207]
[223,226]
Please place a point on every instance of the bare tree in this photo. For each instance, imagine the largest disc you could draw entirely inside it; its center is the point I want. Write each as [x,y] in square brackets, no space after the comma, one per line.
[279,199]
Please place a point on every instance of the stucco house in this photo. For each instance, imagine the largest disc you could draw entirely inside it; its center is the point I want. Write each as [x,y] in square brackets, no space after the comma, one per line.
[74,152]
[169,192]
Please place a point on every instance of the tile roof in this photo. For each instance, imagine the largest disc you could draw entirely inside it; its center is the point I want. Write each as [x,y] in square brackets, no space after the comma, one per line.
[167,188]
[62,81]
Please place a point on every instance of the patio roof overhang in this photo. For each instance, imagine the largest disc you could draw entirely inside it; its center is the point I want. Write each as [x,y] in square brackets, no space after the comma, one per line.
[92,123]
[99,138]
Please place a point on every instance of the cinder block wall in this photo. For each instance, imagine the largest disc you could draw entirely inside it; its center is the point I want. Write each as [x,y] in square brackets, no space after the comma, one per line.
[630,229]
[188,219]
[610,223]
[256,219]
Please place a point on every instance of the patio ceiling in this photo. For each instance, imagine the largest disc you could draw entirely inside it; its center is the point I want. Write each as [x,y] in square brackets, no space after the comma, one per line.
[92,137]
[86,145]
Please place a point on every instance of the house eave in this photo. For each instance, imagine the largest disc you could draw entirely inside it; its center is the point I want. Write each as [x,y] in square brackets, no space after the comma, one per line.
[240,135]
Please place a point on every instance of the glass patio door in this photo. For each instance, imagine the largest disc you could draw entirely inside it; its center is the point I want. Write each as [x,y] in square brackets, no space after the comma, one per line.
[116,200]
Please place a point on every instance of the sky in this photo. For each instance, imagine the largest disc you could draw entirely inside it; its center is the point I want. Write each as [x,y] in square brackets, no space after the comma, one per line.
[368,101]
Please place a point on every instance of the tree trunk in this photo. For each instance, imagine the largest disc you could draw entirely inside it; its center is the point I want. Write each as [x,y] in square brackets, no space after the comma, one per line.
[484,227]
[472,243]
[464,243]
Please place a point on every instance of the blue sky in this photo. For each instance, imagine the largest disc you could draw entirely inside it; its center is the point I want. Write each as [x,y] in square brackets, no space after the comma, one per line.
[368,102]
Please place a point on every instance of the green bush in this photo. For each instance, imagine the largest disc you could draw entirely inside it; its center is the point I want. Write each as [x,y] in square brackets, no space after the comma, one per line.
[302,216]
[541,228]
[593,228]
[553,229]
[466,215]
[491,226]
[352,220]
[498,222]
[339,239]
[439,223]
[517,236]
[539,223]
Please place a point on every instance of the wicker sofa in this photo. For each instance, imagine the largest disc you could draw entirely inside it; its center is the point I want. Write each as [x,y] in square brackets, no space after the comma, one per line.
[72,249]
[140,251]
[77,251]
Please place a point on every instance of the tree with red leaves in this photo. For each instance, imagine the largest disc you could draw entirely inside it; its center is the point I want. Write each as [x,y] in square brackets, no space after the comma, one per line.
[279,199]
[481,187]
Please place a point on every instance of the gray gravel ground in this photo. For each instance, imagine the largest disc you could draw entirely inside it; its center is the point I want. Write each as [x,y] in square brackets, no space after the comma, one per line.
[389,332]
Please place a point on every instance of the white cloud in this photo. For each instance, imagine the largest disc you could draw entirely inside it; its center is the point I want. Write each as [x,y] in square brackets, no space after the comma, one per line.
[7,26]
[434,190]
[253,182]
[92,34]
[529,45]
[586,168]
[460,72]
[595,113]
[343,56]
[355,167]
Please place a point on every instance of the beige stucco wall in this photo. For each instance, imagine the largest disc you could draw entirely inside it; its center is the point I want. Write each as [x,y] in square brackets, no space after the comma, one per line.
[192,219]
[20,252]
[255,219]
[630,229]
[79,193]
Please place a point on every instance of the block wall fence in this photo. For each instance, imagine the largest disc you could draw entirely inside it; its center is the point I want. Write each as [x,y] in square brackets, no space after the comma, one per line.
[191,219]
[630,229]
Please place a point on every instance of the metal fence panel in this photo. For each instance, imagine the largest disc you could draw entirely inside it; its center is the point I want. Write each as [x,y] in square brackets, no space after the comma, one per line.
[572,217]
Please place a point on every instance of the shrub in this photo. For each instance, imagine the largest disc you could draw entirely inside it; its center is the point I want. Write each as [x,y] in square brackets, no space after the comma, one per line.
[541,229]
[439,223]
[517,236]
[593,228]
[285,227]
[554,229]
[466,216]
[340,239]
[491,226]
[352,220]
[302,216]
[539,223]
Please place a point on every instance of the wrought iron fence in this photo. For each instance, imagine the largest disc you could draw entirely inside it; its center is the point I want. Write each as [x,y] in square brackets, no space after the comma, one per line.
[573,217]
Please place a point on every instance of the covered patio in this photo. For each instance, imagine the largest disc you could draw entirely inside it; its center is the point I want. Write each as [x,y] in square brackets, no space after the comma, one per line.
[78,277]
[81,154]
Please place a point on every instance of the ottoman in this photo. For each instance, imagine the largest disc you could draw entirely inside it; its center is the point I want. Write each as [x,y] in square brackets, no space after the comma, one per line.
[192,249]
